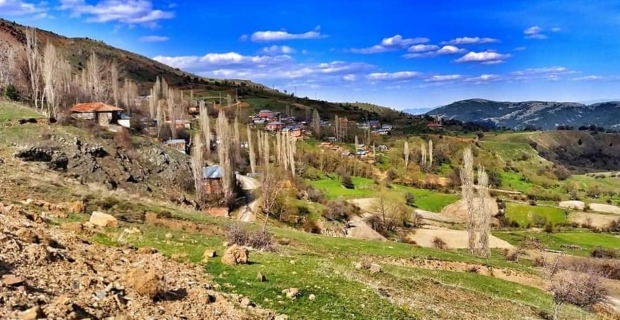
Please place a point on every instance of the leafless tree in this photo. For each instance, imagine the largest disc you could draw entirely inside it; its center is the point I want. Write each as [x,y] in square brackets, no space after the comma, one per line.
[430,154]
[391,212]
[7,75]
[271,188]
[225,155]
[467,189]
[172,112]
[205,127]
[197,168]
[252,155]
[50,68]
[422,156]
[484,214]
[114,82]
[34,64]
[316,123]
[406,153]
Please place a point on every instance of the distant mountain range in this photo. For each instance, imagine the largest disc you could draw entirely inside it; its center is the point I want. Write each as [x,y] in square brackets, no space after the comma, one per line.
[417,111]
[546,115]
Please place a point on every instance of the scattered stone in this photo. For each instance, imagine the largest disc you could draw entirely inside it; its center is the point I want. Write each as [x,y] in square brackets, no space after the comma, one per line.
[292,262]
[235,255]
[281,317]
[208,254]
[291,293]
[76,207]
[261,277]
[312,297]
[133,230]
[32,314]
[147,250]
[246,302]
[12,280]
[179,256]
[27,235]
[144,282]
[518,291]
[76,227]
[169,236]
[103,220]
[375,268]
[359,266]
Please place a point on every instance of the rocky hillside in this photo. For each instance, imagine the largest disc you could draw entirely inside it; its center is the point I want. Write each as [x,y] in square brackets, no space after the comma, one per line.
[546,115]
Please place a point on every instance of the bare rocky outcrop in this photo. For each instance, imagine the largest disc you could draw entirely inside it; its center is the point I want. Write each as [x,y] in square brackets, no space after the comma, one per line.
[235,255]
[105,220]
[48,272]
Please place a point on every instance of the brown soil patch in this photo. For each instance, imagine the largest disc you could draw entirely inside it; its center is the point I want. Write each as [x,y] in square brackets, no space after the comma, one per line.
[454,239]
[151,218]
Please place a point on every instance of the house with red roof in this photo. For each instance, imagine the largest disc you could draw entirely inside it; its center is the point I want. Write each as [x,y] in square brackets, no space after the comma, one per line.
[100,112]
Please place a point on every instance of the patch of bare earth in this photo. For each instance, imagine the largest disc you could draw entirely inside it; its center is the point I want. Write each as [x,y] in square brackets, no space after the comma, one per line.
[50,272]
[594,219]
[454,239]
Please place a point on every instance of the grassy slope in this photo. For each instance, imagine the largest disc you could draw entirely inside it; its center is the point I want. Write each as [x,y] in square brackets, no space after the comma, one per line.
[366,188]
[525,214]
[583,238]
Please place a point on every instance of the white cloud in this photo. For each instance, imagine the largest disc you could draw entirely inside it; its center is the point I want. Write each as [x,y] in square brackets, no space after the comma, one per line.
[270,36]
[548,73]
[534,32]
[279,69]
[449,50]
[447,77]
[19,8]
[154,39]
[443,51]
[485,57]
[556,29]
[394,76]
[520,49]
[588,78]
[132,12]
[471,40]
[483,78]
[274,49]
[394,43]
[423,48]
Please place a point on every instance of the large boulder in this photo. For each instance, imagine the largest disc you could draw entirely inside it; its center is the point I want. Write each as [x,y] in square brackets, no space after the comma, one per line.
[236,255]
[103,220]
[146,283]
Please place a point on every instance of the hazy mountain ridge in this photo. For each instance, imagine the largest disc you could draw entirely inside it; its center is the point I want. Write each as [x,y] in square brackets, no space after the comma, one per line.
[541,114]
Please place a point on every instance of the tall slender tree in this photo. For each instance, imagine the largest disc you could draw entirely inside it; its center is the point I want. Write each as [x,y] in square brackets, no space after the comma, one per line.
[225,155]
[33,58]
[197,168]
[467,189]
[430,154]
[316,123]
[205,127]
[484,216]
[406,153]
[423,156]
[252,155]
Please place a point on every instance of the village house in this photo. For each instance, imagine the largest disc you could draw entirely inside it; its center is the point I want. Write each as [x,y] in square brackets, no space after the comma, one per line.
[274,126]
[100,112]
[181,124]
[178,144]
[266,114]
[374,124]
[434,126]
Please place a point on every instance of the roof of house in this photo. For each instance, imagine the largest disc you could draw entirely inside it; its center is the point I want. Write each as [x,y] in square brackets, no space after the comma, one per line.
[275,123]
[94,107]
[174,141]
[212,172]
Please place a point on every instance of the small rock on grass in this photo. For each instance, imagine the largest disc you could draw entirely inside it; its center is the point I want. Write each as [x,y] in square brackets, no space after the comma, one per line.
[144,282]
[261,277]
[291,293]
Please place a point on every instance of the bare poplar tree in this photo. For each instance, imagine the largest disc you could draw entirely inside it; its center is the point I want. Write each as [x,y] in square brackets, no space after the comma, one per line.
[93,77]
[430,154]
[406,153]
[205,127]
[271,188]
[266,151]
[252,155]
[292,149]
[114,82]
[467,189]
[224,134]
[172,112]
[50,69]
[237,141]
[423,156]
[197,168]
[160,117]
[484,216]
[34,64]
[316,123]
[337,127]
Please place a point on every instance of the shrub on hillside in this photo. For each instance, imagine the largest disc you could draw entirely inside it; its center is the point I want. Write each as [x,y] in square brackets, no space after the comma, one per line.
[310,226]
[339,210]
[614,226]
[602,253]
[438,243]
[346,181]
[410,199]
[260,240]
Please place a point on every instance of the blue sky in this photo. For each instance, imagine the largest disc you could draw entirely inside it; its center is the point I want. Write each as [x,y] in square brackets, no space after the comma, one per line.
[402,54]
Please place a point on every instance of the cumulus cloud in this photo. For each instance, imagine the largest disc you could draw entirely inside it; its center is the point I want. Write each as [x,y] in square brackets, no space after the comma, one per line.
[556,29]
[471,40]
[397,42]
[441,78]
[280,68]
[423,48]
[588,78]
[534,32]
[484,57]
[393,76]
[132,12]
[283,35]
[19,8]
[548,73]
[154,39]
[483,78]
[274,49]
[448,49]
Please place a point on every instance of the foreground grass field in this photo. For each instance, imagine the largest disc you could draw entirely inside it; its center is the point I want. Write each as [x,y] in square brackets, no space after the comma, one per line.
[367,188]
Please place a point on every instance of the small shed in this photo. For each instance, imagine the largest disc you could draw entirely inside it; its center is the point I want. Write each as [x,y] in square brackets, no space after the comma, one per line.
[275,126]
[178,144]
[213,178]
[98,111]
